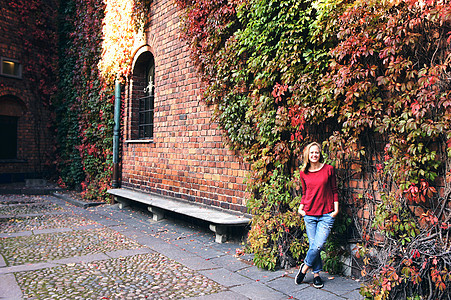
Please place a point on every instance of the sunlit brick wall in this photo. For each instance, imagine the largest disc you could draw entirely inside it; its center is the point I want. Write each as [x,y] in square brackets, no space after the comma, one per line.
[187,158]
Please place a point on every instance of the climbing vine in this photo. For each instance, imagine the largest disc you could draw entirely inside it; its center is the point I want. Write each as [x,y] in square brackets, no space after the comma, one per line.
[389,77]
[96,43]
[38,35]
[254,55]
[371,80]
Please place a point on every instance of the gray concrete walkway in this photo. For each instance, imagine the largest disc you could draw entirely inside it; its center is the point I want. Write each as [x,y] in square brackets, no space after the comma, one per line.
[52,249]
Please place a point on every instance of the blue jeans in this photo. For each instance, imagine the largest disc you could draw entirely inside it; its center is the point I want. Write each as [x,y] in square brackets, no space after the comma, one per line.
[318,229]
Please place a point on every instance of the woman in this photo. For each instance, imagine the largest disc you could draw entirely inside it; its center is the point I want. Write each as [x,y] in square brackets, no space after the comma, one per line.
[319,207]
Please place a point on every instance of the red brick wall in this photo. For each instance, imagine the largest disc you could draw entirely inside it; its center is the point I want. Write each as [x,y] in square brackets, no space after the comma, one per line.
[187,158]
[34,143]
[363,191]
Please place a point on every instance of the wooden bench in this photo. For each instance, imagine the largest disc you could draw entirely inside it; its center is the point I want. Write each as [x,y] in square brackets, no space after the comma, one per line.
[219,220]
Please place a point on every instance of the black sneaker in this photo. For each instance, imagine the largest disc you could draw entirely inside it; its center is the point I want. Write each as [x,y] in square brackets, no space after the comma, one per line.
[299,276]
[317,282]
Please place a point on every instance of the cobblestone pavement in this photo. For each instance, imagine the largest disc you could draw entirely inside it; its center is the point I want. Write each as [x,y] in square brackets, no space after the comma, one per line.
[52,249]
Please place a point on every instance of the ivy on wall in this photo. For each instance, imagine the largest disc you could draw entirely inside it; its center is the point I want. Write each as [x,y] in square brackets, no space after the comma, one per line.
[389,77]
[371,80]
[96,43]
[254,55]
[84,119]
[38,39]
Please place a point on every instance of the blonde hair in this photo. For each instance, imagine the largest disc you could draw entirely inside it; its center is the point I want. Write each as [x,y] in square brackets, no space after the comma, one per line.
[305,158]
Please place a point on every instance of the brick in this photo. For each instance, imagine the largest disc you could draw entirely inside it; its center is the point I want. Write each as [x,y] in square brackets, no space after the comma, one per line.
[33,117]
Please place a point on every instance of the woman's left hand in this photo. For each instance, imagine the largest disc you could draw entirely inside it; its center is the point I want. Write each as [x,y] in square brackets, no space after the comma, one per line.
[335,212]
[301,210]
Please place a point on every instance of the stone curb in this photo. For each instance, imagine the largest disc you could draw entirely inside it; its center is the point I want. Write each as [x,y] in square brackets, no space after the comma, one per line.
[76,202]
[29,191]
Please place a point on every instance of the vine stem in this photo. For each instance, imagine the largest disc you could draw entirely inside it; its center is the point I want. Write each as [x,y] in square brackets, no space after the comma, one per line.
[442,209]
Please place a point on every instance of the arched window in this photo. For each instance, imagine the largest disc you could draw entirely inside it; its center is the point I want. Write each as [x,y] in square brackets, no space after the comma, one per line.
[143,97]
[146,103]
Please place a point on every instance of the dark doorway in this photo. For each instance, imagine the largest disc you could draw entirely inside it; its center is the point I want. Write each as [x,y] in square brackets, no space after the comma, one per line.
[8,137]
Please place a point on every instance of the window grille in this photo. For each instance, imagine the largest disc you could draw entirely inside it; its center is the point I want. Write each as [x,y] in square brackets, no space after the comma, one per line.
[146,108]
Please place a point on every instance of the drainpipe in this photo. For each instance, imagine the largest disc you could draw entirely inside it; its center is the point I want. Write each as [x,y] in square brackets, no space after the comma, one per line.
[117,119]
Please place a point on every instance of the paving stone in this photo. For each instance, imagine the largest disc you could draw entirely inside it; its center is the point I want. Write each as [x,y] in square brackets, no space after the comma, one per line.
[229,247]
[286,285]
[195,247]
[229,262]
[144,227]
[82,259]
[176,254]
[197,263]
[312,293]
[107,222]
[257,274]
[27,267]
[152,242]
[132,222]
[131,232]
[207,253]
[2,261]
[340,285]
[87,227]
[227,295]
[16,234]
[53,230]
[9,289]
[128,252]
[225,277]
[258,291]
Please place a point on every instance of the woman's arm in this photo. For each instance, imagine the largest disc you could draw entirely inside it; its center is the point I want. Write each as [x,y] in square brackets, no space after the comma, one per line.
[334,192]
[301,210]
[336,210]
[303,186]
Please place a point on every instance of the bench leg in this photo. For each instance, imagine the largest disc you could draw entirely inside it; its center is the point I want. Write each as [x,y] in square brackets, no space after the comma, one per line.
[157,214]
[123,203]
[220,231]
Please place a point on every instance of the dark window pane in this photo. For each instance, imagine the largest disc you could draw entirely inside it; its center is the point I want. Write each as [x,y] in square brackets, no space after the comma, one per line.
[10,68]
[8,136]
[145,116]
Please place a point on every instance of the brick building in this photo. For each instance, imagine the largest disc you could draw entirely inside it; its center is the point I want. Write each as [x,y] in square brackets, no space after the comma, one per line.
[170,144]
[24,94]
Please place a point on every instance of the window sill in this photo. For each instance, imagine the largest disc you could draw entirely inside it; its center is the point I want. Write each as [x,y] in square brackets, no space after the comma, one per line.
[149,141]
